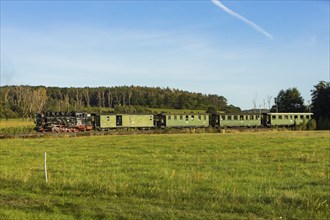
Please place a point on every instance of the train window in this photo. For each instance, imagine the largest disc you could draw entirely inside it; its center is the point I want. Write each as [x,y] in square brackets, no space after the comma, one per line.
[296,116]
[235,117]
[169,117]
[241,117]
[286,117]
[192,117]
[199,117]
[181,117]
[307,116]
[229,117]
[205,117]
[108,118]
[290,116]
[273,116]
[187,117]
[301,117]
[175,118]
[280,117]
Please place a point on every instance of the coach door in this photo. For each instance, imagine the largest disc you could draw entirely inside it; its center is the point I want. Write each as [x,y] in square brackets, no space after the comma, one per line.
[119,120]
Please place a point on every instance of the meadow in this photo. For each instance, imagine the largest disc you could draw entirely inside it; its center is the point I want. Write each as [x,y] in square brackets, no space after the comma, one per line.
[248,175]
[16,126]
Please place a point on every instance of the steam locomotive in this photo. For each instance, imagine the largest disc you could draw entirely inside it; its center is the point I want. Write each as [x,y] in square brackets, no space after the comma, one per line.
[63,122]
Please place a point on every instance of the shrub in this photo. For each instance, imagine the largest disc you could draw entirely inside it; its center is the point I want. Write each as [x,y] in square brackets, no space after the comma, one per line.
[311,124]
[323,123]
[302,126]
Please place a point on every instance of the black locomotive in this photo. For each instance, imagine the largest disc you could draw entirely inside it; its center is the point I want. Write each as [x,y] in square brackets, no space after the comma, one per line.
[63,122]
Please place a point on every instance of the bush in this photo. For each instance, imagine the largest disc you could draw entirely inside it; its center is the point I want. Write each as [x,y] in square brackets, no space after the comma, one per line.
[311,124]
[323,123]
[7,113]
[302,126]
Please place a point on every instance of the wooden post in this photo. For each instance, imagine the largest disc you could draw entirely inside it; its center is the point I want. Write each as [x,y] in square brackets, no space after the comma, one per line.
[45,166]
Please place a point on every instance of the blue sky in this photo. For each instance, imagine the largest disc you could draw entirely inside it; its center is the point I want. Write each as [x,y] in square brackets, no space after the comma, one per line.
[189,45]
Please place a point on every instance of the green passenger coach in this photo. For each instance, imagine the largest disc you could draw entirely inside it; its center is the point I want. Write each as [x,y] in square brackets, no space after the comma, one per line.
[240,120]
[183,120]
[112,121]
[287,119]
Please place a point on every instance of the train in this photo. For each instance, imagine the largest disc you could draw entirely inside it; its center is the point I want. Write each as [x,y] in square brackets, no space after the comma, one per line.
[81,121]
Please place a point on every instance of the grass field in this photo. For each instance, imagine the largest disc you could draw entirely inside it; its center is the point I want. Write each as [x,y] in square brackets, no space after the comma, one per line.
[16,123]
[15,126]
[250,175]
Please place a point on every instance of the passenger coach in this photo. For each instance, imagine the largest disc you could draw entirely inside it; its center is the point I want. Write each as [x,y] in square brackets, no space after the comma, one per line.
[170,120]
[286,119]
[113,121]
[240,120]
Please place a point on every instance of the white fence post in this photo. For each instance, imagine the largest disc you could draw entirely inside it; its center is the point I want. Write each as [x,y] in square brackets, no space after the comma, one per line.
[45,163]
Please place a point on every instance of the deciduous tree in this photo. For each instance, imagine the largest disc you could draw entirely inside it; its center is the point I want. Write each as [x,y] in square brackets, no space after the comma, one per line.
[321,104]
[289,100]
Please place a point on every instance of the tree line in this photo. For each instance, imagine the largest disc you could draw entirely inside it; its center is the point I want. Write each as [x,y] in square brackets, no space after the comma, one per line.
[25,101]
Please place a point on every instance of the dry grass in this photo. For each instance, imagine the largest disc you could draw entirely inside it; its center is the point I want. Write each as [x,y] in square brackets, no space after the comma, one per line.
[14,123]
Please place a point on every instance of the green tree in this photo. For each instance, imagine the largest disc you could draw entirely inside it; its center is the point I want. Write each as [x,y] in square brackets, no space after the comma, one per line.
[5,110]
[232,109]
[39,99]
[211,109]
[320,104]
[289,100]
